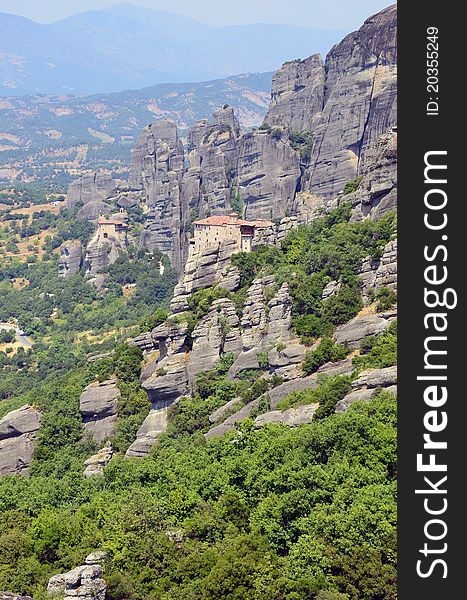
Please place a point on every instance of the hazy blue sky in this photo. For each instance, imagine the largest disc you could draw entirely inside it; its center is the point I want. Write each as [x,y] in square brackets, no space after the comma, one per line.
[328,14]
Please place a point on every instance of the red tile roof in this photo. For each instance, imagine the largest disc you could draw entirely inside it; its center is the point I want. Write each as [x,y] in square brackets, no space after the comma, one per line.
[222,220]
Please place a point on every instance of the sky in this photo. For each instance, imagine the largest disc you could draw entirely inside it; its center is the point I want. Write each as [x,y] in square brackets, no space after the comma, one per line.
[321,14]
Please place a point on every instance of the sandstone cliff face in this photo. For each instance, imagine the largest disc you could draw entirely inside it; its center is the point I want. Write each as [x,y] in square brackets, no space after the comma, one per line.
[157,168]
[267,175]
[297,94]
[377,191]
[211,151]
[71,259]
[359,103]
[90,187]
[17,440]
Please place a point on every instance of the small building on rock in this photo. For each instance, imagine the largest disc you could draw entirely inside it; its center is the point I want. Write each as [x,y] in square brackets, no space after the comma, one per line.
[214,230]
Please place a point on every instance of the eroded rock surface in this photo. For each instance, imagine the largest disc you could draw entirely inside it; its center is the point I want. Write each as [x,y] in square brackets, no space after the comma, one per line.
[297,94]
[90,187]
[98,407]
[359,103]
[84,582]
[292,417]
[353,332]
[18,430]
[71,258]
[96,464]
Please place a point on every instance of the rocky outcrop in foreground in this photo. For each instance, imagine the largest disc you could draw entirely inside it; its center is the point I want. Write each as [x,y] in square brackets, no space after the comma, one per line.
[98,407]
[18,431]
[292,417]
[10,596]
[84,582]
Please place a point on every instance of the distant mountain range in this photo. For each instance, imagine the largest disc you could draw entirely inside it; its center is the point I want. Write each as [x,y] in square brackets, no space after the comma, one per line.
[126,47]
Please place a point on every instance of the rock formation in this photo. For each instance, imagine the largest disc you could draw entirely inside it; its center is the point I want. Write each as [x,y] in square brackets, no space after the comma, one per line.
[376,193]
[348,104]
[71,258]
[297,94]
[205,269]
[369,383]
[263,324]
[94,209]
[359,103]
[375,274]
[154,424]
[157,168]
[10,596]
[91,187]
[84,582]
[98,407]
[212,155]
[108,242]
[267,175]
[97,462]
[18,430]
[292,417]
[353,332]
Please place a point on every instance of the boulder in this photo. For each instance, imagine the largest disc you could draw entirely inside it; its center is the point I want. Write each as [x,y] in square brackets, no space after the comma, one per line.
[84,582]
[153,425]
[18,430]
[97,462]
[373,378]
[293,417]
[365,394]
[98,407]
[353,332]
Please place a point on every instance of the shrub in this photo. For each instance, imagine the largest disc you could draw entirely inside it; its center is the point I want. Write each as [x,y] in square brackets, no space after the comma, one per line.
[352,185]
[327,394]
[378,352]
[386,298]
[327,351]
[303,142]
